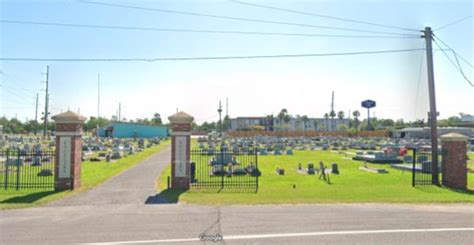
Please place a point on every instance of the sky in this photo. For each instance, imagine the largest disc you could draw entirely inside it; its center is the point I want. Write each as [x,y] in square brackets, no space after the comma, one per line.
[254,87]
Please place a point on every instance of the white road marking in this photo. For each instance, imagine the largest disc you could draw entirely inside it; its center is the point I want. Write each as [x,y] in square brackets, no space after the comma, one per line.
[263,236]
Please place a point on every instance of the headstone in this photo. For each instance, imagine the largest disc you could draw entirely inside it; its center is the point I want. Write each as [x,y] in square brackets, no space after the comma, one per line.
[311,169]
[335,169]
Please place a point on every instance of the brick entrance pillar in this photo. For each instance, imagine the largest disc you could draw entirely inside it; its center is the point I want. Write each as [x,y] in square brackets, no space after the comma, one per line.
[454,160]
[67,168]
[180,148]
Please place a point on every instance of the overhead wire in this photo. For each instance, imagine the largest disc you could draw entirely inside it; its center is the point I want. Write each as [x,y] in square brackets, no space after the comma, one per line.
[454,22]
[237,18]
[21,22]
[452,50]
[324,16]
[457,66]
[206,58]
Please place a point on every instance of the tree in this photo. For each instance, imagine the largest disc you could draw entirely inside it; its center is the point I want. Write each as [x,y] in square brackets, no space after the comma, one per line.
[305,120]
[281,116]
[356,115]
[326,116]
[156,120]
[226,123]
[340,115]
[332,114]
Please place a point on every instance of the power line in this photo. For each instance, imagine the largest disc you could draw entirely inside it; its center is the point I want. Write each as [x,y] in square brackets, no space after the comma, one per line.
[204,58]
[323,16]
[195,30]
[236,18]
[458,67]
[454,52]
[454,22]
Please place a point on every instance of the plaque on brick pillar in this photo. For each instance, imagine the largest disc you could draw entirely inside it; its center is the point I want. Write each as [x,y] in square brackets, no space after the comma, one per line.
[180,146]
[454,147]
[67,167]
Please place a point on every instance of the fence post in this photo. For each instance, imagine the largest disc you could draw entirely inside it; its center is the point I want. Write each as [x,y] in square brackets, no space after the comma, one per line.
[256,166]
[223,168]
[413,168]
[6,168]
[18,169]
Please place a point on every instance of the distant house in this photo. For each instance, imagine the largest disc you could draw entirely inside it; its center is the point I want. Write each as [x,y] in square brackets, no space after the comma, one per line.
[132,130]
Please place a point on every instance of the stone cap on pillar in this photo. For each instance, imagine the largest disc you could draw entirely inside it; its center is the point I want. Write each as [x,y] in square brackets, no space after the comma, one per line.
[454,137]
[181,118]
[69,117]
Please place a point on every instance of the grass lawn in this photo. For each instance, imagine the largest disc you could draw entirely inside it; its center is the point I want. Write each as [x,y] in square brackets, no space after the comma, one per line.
[92,174]
[351,186]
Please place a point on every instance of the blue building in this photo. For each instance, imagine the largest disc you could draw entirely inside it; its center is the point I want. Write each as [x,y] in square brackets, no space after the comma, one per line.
[132,130]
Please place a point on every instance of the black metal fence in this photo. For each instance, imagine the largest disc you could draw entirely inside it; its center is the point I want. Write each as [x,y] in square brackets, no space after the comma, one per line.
[219,169]
[21,169]
[422,168]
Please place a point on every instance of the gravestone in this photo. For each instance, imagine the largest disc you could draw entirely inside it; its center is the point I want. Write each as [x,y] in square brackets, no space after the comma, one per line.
[311,169]
[335,169]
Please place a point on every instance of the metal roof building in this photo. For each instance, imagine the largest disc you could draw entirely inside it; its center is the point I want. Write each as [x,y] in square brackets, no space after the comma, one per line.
[132,130]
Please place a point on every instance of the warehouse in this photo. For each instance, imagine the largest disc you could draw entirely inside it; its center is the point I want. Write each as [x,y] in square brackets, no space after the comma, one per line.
[132,130]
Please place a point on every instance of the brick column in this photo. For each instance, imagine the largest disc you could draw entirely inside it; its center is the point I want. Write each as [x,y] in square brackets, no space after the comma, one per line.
[67,167]
[180,150]
[454,160]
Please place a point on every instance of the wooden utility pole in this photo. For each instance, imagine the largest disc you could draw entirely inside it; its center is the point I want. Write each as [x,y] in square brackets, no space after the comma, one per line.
[428,35]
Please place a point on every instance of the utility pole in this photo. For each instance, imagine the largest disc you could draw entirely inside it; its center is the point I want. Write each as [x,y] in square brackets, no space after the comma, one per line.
[332,111]
[36,115]
[46,103]
[120,112]
[428,35]
[227,106]
[220,119]
[98,95]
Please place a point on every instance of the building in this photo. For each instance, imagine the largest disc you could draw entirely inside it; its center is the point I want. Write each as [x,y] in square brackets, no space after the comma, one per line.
[294,124]
[132,130]
[250,123]
[467,118]
[425,133]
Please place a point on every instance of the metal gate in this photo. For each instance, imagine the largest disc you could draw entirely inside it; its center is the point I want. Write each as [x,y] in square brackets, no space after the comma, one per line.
[219,169]
[422,168]
[22,169]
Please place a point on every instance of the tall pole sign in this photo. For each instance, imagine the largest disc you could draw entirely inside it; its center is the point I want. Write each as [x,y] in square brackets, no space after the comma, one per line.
[368,104]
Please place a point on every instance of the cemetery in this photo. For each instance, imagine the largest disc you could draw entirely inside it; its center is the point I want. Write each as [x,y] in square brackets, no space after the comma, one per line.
[323,169]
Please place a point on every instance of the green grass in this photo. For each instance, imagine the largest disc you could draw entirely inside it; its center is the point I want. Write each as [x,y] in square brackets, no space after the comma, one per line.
[92,174]
[351,186]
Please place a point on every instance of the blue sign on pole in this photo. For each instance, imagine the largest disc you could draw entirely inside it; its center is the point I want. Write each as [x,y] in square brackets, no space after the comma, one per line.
[368,104]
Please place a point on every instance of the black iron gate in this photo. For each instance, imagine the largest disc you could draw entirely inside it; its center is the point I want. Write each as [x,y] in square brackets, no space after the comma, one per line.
[22,169]
[422,168]
[219,169]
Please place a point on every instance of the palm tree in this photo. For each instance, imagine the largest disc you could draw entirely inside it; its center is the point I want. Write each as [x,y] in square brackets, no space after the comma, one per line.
[356,115]
[326,116]
[281,116]
[287,119]
[332,114]
[305,120]
[340,116]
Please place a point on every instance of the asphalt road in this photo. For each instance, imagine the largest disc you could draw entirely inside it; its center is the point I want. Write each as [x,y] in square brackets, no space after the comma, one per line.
[116,213]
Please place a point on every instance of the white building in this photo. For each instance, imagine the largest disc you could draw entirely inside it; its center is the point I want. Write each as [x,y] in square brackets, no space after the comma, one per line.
[294,124]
